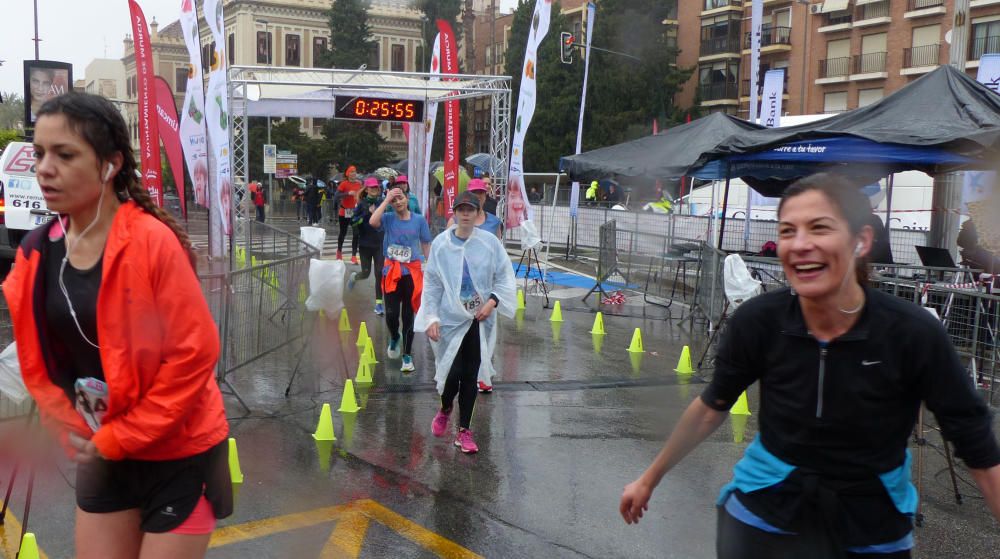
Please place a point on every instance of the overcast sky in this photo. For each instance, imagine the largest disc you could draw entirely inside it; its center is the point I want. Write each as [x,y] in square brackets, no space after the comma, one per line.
[76,31]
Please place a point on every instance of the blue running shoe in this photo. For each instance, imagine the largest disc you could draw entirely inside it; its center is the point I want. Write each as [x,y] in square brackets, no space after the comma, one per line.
[407,366]
[393,351]
[379,308]
[351,279]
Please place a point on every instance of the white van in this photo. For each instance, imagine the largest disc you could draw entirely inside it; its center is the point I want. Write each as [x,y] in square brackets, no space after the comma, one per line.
[22,206]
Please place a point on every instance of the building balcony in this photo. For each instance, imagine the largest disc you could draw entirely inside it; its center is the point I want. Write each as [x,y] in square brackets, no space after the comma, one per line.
[924,8]
[710,6]
[871,13]
[778,37]
[725,91]
[836,21]
[719,45]
[834,70]
[869,66]
[983,45]
[745,87]
[920,60]
[983,3]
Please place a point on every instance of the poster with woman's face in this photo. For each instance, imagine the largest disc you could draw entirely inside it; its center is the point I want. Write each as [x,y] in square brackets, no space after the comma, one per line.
[43,80]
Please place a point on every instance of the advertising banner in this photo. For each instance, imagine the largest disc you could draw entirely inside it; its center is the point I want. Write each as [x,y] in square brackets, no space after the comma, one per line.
[270,158]
[449,65]
[43,80]
[192,128]
[166,112]
[217,115]
[149,137]
[756,21]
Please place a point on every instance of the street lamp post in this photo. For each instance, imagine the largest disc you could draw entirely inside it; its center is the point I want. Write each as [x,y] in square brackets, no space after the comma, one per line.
[805,54]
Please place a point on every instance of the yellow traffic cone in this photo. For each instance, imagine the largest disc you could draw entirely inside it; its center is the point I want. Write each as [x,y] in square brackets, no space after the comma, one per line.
[235,473]
[598,342]
[741,407]
[598,328]
[636,345]
[556,313]
[324,429]
[520,299]
[29,547]
[324,451]
[362,334]
[364,375]
[345,323]
[348,404]
[684,363]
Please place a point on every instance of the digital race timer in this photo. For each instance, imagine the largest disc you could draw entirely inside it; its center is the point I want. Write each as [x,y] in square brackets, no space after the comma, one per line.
[378,109]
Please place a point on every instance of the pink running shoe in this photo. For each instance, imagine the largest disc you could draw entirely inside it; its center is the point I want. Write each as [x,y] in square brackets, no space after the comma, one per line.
[440,423]
[485,388]
[465,442]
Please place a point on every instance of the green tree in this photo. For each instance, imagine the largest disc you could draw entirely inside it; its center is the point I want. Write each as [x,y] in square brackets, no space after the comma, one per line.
[11,111]
[433,10]
[553,127]
[351,43]
[313,155]
[8,136]
[355,143]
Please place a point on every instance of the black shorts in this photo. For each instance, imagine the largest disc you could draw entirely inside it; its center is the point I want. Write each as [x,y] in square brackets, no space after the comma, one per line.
[165,492]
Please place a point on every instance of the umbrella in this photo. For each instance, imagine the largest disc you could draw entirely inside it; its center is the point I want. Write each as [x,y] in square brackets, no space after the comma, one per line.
[400,166]
[463,177]
[484,161]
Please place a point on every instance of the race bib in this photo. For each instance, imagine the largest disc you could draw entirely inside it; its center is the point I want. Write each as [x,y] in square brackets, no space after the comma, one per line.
[473,303]
[92,401]
[348,212]
[400,253]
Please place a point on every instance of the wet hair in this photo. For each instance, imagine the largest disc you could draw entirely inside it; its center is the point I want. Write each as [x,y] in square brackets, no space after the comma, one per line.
[846,197]
[101,125]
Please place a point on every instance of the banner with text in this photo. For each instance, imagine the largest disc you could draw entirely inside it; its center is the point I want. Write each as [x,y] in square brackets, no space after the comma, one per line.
[149,144]
[419,151]
[518,208]
[192,127]
[756,23]
[449,65]
[978,185]
[770,116]
[217,115]
[168,126]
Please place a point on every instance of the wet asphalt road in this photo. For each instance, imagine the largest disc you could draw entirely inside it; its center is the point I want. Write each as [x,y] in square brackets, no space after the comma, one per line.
[567,426]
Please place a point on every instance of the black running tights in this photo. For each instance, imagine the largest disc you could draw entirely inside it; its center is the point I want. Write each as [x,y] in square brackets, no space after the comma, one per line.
[463,376]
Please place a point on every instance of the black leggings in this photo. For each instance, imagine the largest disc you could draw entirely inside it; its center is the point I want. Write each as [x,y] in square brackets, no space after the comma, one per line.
[736,540]
[345,223]
[396,303]
[462,377]
[369,255]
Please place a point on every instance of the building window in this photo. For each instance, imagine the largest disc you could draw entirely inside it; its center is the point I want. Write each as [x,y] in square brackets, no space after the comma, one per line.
[398,60]
[319,50]
[489,55]
[128,87]
[868,96]
[718,81]
[838,59]
[985,39]
[418,59]
[231,49]
[317,125]
[396,131]
[873,54]
[292,51]
[264,47]
[925,47]
[720,34]
[180,79]
[835,102]
[373,62]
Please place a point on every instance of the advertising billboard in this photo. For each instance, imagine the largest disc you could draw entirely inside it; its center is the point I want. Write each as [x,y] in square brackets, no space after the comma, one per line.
[43,80]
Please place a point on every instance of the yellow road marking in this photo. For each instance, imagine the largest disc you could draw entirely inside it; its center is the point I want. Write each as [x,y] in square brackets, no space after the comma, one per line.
[349,534]
[10,537]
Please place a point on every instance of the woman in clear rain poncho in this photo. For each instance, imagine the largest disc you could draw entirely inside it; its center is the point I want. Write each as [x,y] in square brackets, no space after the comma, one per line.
[468,275]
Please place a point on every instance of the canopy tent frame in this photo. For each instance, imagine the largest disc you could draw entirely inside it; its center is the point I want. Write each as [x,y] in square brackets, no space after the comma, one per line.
[263,90]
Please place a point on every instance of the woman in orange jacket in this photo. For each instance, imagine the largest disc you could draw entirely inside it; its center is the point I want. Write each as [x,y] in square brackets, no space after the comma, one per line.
[117,345]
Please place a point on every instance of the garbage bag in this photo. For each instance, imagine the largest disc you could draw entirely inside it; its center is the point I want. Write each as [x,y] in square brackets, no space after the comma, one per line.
[529,235]
[313,236]
[326,286]
[737,282]
[11,383]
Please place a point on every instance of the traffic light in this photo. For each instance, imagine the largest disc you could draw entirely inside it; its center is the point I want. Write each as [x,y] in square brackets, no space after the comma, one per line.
[566,43]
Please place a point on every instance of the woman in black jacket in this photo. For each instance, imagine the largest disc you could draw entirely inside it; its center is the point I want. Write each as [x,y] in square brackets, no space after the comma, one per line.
[843,370]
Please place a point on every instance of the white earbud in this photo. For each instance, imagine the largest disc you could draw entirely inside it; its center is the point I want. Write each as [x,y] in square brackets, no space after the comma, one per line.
[107,174]
[857,249]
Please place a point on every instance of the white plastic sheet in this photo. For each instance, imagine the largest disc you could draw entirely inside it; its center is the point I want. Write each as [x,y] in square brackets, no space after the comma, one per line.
[738,283]
[313,236]
[11,383]
[326,286]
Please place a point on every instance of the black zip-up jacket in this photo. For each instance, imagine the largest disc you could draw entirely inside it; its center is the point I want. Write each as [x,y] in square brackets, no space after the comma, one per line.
[847,410]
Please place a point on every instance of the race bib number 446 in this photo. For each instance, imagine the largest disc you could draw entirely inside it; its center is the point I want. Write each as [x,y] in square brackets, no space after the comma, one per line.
[400,253]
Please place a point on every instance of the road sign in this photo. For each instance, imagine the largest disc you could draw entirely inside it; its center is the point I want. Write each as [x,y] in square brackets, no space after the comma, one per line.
[270,156]
[286,165]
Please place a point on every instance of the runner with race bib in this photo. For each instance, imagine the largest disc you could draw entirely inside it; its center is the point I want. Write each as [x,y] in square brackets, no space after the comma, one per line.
[347,198]
[468,276]
[407,241]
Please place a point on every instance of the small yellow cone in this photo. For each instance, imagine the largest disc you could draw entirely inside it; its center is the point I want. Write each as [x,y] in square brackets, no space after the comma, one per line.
[598,328]
[520,299]
[598,342]
[556,313]
[345,323]
[364,375]
[324,451]
[684,363]
[741,407]
[235,473]
[739,426]
[636,345]
[324,429]
[29,547]
[362,334]
[348,404]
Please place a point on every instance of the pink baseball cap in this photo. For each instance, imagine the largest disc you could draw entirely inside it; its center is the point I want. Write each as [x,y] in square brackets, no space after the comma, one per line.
[476,185]
[402,179]
[371,182]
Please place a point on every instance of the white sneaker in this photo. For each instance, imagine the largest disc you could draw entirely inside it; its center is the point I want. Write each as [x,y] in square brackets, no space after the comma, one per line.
[393,350]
